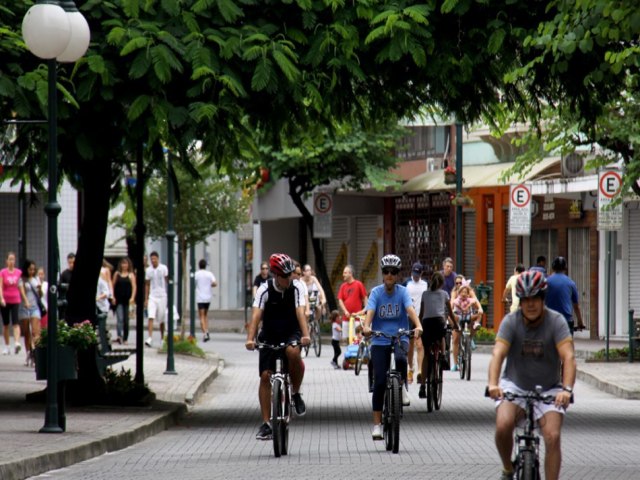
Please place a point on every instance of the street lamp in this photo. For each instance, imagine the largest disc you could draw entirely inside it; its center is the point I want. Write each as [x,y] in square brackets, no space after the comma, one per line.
[54,31]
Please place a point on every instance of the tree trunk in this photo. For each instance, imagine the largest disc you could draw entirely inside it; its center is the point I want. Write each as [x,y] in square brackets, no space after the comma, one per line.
[321,268]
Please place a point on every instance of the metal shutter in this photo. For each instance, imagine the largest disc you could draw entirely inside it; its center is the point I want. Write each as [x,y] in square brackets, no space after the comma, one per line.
[634,261]
[490,272]
[368,244]
[579,268]
[334,250]
[510,249]
[468,245]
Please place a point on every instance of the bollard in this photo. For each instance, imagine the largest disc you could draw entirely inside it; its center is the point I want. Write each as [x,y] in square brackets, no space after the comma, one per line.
[632,332]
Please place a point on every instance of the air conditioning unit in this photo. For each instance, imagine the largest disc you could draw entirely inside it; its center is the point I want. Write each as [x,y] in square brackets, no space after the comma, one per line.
[572,165]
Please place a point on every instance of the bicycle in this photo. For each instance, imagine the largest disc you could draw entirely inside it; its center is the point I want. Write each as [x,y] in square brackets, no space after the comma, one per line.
[526,463]
[392,407]
[464,349]
[281,399]
[435,376]
[364,357]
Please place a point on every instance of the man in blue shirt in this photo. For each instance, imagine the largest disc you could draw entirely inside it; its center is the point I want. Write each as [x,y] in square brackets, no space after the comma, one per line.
[540,266]
[562,294]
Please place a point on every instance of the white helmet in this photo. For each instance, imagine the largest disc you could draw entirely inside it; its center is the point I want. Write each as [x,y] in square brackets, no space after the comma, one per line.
[391,261]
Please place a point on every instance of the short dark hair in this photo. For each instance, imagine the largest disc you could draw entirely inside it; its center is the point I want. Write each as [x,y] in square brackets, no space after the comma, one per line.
[520,268]
[154,254]
[202,263]
[437,281]
[71,255]
[541,258]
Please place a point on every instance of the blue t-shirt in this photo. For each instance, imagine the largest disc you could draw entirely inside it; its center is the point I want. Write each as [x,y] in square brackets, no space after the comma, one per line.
[390,312]
[561,294]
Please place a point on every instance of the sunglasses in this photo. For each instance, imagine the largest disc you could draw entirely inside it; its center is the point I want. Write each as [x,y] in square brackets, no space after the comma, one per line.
[264,268]
[390,271]
[458,283]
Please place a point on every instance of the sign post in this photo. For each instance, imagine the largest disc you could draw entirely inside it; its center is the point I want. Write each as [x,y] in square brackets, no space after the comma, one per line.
[322,215]
[609,185]
[520,209]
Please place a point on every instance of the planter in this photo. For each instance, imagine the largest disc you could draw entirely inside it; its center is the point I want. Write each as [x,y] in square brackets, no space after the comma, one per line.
[449,178]
[67,363]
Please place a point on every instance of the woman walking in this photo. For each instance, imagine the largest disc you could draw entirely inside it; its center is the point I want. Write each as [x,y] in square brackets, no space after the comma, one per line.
[10,303]
[124,294]
[30,292]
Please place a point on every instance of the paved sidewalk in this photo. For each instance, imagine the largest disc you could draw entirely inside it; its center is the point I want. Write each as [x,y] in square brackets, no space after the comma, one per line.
[91,431]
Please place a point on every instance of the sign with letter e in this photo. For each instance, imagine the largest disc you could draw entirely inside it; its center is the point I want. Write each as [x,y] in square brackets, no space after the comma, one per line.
[520,209]
[609,185]
[322,214]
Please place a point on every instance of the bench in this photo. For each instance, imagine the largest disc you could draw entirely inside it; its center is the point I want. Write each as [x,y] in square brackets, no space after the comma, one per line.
[634,335]
[106,355]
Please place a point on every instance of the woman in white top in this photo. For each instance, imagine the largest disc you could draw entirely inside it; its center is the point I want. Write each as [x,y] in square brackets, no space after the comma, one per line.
[205,281]
[315,290]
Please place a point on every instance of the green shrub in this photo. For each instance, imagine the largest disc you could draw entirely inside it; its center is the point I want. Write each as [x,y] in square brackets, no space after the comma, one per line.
[184,346]
[616,354]
[485,335]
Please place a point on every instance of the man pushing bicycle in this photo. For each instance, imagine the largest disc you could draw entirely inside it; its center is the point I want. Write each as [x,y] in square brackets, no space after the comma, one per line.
[538,347]
[280,304]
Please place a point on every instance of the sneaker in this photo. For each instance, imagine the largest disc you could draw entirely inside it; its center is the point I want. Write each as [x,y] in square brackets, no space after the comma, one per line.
[303,353]
[422,393]
[6,351]
[454,368]
[17,347]
[299,405]
[476,326]
[406,401]
[419,378]
[410,377]
[473,344]
[376,433]
[506,475]
[264,432]
[334,364]
[148,342]
[205,337]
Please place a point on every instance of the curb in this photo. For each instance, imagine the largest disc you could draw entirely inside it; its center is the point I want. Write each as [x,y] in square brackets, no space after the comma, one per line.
[29,467]
[607,387]
[194,393]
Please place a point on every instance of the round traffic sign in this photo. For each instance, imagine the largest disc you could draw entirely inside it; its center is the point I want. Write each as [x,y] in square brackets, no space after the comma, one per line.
[610,184]
[520,196]
[322,203]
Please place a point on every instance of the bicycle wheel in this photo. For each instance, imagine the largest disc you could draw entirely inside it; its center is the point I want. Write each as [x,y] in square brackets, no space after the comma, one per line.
[462,359]
[528,470]
[396,412]
[437,378]
[284,443]
[467,362]
[317,342]
[430,383]
[360,358]
[386,418]
[277,416]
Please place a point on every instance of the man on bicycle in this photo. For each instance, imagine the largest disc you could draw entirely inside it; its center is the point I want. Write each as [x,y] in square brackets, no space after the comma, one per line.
[537,344]
[388,310]
[280,304]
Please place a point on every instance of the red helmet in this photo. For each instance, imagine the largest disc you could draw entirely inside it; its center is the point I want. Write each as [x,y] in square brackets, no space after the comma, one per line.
[281,264]
[530,284]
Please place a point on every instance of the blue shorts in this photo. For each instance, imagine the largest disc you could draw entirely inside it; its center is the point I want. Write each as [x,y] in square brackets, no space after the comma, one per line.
[27,313]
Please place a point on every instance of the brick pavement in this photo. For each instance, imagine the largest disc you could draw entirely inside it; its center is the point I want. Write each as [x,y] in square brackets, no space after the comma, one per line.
[93,431]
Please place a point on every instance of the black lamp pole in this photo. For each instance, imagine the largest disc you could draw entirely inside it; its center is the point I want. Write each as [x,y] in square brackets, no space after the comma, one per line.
[171,235]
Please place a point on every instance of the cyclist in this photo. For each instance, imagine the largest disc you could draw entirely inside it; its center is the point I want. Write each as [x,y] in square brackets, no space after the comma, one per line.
[415,286]
[279,304]
[435,307]
[315,289]
[389,309]
[538,347]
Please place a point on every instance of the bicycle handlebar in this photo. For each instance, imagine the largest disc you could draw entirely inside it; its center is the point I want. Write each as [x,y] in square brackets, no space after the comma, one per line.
[530,395]
[268,346]
[401,333]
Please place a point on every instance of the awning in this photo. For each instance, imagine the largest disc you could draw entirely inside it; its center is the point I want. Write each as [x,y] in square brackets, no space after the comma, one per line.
[475,176]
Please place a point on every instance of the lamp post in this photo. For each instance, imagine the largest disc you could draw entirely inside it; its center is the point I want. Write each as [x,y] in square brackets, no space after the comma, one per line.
[171,235]
[54,31]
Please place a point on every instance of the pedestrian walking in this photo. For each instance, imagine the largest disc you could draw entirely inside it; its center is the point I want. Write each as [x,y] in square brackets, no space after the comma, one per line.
[540,266]
[336,335]
[29,313]
[156,279]
[124,295]
[352,298]
[509,296]
[44,288]
[449,275]
[416,286]
[562,294]
[205,282]
[10,303]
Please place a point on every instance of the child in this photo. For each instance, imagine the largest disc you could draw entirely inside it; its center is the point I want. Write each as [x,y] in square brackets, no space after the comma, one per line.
[336,335]
[464,303]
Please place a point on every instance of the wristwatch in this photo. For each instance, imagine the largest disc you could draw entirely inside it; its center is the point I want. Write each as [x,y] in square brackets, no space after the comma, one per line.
[567,389]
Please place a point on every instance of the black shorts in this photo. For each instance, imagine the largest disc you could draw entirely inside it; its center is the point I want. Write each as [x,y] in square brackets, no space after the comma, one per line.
[433,330]
[268,356]
[10,314]
[203,306]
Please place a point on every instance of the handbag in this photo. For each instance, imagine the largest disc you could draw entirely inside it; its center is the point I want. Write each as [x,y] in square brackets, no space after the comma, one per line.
[41,307]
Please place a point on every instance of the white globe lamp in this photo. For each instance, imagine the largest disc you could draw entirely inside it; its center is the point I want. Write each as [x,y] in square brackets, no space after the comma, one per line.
[46,29]
[80,34]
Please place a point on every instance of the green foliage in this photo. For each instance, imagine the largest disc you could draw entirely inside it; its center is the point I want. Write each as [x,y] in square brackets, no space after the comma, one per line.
[615,354]
[80,335]
[121,389]
[485,335]
[184,346]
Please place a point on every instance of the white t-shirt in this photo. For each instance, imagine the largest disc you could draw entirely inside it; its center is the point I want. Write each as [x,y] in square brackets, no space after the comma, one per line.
[204,282]
[157,282]
[416,289]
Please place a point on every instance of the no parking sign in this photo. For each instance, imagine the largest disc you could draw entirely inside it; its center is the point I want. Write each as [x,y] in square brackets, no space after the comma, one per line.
[520,209]
[609,185]
[322,214]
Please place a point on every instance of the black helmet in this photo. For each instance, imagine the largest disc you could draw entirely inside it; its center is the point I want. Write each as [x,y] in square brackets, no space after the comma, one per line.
[559,264]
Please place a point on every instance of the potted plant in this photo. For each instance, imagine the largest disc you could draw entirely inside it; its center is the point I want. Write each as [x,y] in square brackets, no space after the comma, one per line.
[70,339]
[460,200]
[450,175]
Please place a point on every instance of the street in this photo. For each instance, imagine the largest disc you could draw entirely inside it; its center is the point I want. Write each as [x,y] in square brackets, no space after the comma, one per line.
[333,440]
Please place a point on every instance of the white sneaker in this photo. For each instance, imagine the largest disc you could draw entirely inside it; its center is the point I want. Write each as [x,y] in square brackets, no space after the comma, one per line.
[6,351]
[406,401]
[148,342]
[376,433]
[476,326]
[17,347]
